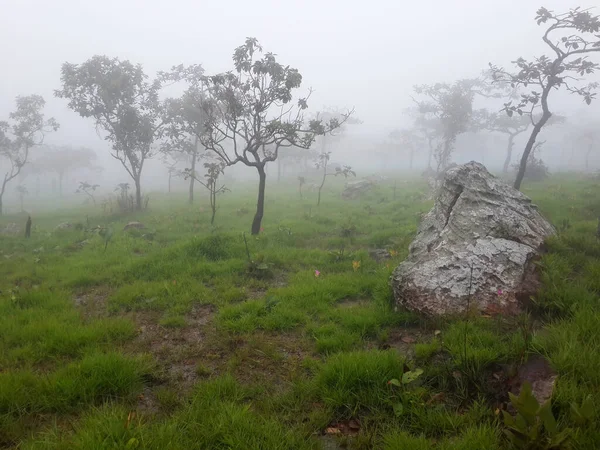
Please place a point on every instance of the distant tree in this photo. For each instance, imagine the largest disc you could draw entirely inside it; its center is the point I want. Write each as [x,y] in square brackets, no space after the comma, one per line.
[586,136]
[87,189]
[210,182]
[576,40]
[301,182]
[450,106]
[510,126]
[26,128]
[323,164]
[22,190]
[64,159]
[409,140]
[118,96]
[250,114]
[187,117]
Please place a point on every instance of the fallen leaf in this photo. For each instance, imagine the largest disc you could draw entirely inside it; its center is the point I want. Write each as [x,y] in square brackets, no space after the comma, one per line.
[436,332]
[332,430]
[437,398]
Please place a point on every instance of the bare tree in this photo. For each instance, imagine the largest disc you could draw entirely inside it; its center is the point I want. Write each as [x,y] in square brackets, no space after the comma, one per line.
[118,96]
[571,37]
[26,128]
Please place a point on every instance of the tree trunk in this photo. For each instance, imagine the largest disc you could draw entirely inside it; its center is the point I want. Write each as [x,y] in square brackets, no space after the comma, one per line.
[260,204]
[523,165]
[138,194]
[430,153]
[322,183]
[278,170]
[213,204]
[192,178]
[587,156]
[2,193]
[509,149]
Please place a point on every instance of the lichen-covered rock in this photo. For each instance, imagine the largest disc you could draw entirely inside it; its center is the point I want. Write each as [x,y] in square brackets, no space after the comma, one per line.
[475,248]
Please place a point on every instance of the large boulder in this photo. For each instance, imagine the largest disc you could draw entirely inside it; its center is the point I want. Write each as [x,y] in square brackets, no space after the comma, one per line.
[475,249]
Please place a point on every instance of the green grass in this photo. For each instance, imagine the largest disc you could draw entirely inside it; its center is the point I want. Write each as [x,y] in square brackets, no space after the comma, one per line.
[174,338]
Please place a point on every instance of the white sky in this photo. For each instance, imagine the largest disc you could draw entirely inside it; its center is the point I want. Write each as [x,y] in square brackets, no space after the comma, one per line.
[366,54]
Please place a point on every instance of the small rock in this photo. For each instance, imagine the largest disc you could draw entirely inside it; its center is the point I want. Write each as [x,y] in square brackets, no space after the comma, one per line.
[541,377]
[10,229]
[380,254]
[64,226]
[134,225]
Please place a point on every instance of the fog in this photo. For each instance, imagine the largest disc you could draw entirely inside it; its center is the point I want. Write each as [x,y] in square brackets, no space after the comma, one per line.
[365,55]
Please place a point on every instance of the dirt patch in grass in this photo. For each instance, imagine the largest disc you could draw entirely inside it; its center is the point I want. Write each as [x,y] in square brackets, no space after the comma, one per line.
[404,340]
[349,303]
[274,358]
[92,304]
[177,350]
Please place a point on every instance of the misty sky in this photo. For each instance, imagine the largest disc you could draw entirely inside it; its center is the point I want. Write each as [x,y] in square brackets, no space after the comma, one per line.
[362,54]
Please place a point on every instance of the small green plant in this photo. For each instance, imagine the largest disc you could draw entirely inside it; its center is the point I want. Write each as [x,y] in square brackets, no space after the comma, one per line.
[534,427]
[399,399]
[564,226]
[106,233]
[257,268]
[584,413]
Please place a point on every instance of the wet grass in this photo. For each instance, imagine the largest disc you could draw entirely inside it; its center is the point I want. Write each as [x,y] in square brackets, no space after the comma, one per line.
[173,338]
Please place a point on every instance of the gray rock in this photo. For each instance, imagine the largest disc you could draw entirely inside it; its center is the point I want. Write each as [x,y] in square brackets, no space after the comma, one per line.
[64,226]
[10,229]
[134,225]
[380,254]
[354,189]
[475,248]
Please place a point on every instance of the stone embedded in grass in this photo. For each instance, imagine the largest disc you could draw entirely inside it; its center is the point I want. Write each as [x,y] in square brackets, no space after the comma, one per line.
[134,226]
[64,226]
[480,239]
[10,229]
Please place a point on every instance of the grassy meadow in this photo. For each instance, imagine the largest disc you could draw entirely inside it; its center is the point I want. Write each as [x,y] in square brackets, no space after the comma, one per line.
[184,335]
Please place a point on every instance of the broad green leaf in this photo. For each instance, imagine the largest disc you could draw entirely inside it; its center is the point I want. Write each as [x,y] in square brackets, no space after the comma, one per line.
[548,419]
[398,409]
[395,382]
[412,375]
